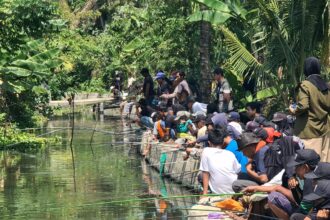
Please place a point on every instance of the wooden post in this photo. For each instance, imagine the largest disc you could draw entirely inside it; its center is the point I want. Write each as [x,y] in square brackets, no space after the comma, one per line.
[101,108]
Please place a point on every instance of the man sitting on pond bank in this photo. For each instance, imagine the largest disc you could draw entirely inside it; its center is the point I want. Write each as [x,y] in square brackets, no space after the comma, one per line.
[219,176]
[256,167]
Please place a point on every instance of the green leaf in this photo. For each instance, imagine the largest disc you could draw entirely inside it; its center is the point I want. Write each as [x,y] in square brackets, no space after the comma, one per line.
[12,87]
[133,45]
[42,57]
[35,44]
[216,5]
[241,60]
[266,93]
[17,71]
[30,65]
[39,90]
[214,17]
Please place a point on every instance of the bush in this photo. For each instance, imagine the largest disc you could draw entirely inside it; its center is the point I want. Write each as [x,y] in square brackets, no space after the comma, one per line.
[14,139]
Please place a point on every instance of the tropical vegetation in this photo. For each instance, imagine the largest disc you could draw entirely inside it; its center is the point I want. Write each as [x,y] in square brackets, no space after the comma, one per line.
[55,49]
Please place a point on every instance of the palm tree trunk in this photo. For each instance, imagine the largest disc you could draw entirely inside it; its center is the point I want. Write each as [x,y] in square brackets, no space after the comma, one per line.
[205,36]
[326,41]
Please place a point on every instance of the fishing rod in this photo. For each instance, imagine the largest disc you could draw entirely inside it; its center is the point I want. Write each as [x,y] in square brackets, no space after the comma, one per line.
[158,164]
[84,128]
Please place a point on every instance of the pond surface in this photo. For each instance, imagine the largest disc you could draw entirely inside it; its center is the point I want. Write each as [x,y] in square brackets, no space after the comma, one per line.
[47,185]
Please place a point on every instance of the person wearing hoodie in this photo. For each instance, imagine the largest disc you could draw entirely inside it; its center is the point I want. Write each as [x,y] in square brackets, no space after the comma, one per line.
[312,110]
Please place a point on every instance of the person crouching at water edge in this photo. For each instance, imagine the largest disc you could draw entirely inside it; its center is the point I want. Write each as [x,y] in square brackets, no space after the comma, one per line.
[219,167]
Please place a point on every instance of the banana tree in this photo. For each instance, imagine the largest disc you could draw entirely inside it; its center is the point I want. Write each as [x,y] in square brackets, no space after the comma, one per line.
[272,40]
[23,76]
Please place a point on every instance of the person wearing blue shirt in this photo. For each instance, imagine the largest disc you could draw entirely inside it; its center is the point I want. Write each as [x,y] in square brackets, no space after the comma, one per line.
[231,145]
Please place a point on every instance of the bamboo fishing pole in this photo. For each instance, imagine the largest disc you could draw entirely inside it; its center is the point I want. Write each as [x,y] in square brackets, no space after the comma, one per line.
[71,142]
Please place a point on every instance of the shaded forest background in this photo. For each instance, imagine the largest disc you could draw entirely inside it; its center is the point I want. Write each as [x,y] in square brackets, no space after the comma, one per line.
[49,49]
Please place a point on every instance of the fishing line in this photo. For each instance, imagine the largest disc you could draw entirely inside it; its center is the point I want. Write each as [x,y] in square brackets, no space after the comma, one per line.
[10,145]
[85,128]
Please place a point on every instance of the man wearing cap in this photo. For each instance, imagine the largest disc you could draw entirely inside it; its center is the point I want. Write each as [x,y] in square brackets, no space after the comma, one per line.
[256,167]
[222,91]
[304,162]
[284,202]
[218,120]
[234,121]
[163,87]
[320,198]
[281,124]
[321,172]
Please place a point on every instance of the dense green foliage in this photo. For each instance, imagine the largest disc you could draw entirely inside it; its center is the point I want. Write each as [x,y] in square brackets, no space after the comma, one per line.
[13,139]
[59,48]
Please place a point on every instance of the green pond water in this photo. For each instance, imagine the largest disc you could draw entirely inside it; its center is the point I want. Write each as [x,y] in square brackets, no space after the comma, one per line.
[45,185]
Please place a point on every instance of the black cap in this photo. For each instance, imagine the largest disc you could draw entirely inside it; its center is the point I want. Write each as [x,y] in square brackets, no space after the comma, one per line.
[247,139]
[260,119]
[279,116]
[261,133]
[321,171]
[234,116]
[321,190]
[208,120]
[199,118]
[305,156]
[251,126]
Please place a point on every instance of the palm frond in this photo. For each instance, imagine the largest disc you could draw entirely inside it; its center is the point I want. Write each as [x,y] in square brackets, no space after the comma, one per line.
[240,58]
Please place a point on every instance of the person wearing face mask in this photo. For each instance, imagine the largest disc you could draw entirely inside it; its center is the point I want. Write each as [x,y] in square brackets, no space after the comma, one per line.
[312,110]
[320,198]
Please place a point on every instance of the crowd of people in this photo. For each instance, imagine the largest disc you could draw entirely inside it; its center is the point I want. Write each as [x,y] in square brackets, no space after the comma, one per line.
[287,157]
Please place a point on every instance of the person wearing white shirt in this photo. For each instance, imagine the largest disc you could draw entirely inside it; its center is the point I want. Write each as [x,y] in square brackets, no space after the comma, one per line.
[196,107]
[219,166]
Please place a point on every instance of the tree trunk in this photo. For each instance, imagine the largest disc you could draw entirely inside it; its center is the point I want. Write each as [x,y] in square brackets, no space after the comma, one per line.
[205,35]
[326,41]
[89,5]
[76,19]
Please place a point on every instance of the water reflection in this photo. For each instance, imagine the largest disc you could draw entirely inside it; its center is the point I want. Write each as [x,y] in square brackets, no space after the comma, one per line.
[41,186]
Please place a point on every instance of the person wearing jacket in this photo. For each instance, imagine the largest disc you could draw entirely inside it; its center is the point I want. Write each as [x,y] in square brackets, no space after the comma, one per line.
[312,110]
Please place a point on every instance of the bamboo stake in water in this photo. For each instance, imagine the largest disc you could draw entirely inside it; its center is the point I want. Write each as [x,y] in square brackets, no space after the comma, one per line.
[71,142]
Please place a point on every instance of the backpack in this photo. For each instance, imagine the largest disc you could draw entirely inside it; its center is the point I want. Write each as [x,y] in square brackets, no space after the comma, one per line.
[280,152]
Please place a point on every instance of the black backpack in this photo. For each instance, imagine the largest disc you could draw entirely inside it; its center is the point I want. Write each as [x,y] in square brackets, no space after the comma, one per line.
[280,152]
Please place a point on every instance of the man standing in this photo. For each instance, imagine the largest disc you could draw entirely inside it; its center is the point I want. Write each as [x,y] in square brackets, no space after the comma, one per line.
[223,91]
[181,91]
[313,110]
[219,176]
[148,86]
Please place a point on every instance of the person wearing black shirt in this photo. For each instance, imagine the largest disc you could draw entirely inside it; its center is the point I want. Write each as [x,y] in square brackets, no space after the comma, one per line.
[148,86]
[285,202]
[320,198]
